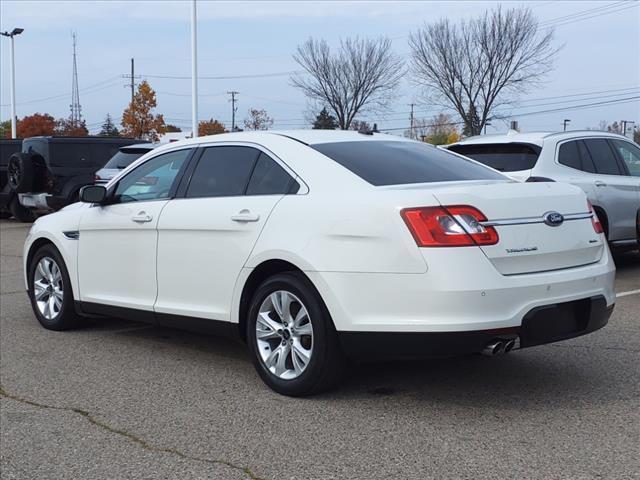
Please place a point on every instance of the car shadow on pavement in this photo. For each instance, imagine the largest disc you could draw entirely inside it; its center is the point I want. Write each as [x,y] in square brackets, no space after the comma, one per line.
[562,375]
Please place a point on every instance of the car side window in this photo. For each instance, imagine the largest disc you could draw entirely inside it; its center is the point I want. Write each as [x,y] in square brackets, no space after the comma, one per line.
[574,154]
[569,155]
[630,155]
[603,156]
[222,172]
[153,180]
[269,178]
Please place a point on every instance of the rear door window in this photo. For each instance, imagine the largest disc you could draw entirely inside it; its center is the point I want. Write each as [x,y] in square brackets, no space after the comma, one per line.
[603,156]
[505,157]
[269,178]
[222,172]
[397,162]
[574,154]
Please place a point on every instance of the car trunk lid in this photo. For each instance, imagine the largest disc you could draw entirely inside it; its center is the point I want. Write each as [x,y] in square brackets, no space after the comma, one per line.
[529,239]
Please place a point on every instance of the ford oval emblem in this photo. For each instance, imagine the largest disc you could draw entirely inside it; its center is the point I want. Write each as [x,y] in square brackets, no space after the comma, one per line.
[553,219]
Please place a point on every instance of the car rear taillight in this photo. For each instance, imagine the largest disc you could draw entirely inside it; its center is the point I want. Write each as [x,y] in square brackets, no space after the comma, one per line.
[96,178]
[452,226]
[595,221]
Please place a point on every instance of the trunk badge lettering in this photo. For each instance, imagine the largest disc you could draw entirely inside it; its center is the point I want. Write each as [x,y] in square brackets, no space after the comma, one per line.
[522,250]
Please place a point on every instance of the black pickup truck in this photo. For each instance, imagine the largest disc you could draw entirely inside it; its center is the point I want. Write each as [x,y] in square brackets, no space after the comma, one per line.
[46,173]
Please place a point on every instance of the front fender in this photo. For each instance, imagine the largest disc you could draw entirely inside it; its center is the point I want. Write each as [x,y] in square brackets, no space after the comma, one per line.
[50,229]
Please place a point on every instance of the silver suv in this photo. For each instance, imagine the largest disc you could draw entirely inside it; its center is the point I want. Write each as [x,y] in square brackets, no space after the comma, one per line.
[605,165]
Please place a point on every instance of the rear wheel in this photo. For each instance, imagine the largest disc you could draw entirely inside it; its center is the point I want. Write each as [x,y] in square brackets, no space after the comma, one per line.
[50,290]
[291,336]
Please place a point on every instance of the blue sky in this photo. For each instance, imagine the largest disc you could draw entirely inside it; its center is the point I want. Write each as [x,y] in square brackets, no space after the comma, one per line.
[600,60]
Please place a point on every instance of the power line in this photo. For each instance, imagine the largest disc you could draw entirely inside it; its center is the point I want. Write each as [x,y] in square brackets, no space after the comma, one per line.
[553,110]
[227,77]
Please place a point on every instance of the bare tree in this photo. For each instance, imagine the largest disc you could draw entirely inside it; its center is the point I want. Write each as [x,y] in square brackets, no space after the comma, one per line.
[258,120]
[474,66]
[362,75]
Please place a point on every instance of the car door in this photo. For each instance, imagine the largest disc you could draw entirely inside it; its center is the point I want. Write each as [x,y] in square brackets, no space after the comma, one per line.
[629,155]
[206,237]
[617,192]
[118,241]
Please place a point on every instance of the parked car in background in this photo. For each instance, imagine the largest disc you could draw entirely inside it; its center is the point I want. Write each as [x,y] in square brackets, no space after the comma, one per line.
[48,172]
[9,201]
[124,157]
[605,165]
[315,246]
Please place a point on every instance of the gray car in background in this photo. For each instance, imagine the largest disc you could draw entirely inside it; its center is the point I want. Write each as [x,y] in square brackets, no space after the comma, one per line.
[605,165]
[121,160]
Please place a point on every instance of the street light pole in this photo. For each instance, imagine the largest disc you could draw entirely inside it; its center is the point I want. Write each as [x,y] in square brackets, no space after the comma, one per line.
[194,71]
[13,33]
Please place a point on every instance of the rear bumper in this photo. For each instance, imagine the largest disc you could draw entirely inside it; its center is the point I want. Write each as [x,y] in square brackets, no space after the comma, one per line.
[545,324]
[42,201]
[460,292]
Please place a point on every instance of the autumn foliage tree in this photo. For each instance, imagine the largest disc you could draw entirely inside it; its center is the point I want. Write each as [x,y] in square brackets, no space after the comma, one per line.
[258,120]
[210,127]
[138,119]
[65,127]
[5,129]
[36,124]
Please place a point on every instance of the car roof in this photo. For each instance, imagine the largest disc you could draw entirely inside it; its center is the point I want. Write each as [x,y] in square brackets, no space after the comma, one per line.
[535,138]
[307,137]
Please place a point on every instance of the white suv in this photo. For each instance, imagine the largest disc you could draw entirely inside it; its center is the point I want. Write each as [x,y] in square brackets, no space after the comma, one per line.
[605,165]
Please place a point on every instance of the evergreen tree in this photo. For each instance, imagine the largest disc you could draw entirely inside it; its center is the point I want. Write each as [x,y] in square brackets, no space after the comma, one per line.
[109,128]
[325,121]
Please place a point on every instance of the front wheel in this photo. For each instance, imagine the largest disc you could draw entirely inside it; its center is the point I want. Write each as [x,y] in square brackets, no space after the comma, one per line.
[293,342]
[50,290]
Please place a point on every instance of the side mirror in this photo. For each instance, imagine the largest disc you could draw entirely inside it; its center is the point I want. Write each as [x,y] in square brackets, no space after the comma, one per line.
[93,194]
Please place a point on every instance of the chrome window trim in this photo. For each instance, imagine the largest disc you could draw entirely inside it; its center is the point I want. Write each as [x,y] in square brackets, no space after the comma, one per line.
[531,220]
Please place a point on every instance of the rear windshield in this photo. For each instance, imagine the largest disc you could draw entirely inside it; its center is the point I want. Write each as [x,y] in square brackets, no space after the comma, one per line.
[505,157]
[123,159]
[397,163]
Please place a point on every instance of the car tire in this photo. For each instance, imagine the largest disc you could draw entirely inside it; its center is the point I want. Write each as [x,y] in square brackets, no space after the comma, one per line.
[20,172]
[50,290]
[325,363]
[20,213]
[4,215]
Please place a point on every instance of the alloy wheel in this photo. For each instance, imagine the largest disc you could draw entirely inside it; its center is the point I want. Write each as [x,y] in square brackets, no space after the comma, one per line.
[284,335]
[48,288]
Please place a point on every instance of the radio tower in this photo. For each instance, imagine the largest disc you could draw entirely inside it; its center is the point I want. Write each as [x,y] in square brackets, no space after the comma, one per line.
[76,109]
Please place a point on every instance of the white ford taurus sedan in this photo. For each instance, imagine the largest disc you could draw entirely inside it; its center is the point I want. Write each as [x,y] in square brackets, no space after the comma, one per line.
[315,247]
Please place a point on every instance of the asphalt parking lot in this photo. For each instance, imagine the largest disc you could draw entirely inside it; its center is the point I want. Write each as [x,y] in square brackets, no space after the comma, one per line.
[124,400]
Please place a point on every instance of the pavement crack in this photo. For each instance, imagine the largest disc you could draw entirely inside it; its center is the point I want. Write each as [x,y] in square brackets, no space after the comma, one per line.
[89,417]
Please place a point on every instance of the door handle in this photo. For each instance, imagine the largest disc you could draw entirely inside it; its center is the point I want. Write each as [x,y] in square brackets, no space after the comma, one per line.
[142,217]
[598,183]
[245,216]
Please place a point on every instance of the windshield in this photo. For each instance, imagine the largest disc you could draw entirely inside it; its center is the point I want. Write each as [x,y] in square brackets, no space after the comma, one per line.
[123,159]
[398,163]
[505,157]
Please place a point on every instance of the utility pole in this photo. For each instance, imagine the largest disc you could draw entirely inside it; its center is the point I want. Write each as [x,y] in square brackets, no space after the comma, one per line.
[76,109]
[132,80]
[194,71]
[564,124]
[13,33]
[411,134]
[234,109]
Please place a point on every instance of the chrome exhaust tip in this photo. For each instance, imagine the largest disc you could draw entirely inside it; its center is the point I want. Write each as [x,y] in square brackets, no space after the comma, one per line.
[509,345]
[493,348]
